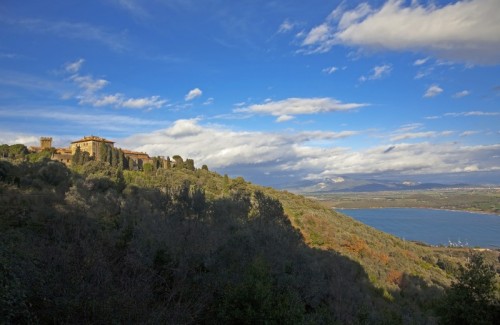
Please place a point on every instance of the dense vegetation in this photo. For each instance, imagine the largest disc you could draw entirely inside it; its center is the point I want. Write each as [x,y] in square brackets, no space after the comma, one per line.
[98,244]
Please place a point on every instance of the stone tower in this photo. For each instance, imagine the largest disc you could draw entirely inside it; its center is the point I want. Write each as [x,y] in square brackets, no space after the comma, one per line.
[45,143]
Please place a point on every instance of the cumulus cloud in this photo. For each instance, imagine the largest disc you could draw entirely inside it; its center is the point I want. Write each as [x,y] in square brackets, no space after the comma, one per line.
[287,108]
[191,139]
[299,153]
[377,72]
[433,91]
[464,30]
[192,94]
[15,138]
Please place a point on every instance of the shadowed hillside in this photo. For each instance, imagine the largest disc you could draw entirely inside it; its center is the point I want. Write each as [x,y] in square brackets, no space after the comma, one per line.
[100,245]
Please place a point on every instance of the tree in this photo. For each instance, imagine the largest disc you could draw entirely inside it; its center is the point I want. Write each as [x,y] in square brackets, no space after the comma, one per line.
[148,168]
[103,152]
[189,164]
[179,162]
[473,298]
[77,157]
[18,151]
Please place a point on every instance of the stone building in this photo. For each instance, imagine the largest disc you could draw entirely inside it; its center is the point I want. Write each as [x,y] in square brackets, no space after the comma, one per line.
[136,159]
[63,155]
[90,144]
[45,143]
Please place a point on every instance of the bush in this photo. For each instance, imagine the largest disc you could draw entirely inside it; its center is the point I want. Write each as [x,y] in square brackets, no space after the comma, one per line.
[473,299]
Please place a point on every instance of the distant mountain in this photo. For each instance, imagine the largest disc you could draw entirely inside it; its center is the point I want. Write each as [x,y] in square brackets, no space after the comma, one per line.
[346,184]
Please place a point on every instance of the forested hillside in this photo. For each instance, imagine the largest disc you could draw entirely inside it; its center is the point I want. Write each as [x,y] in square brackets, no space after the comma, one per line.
[98,244]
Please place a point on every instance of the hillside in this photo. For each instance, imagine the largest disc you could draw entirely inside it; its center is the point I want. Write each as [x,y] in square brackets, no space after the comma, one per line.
[97,244]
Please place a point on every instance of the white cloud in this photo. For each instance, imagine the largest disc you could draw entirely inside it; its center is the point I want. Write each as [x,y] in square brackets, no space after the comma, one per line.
[11,138]
[284,118]
[74,67]
[91,92]
[286,26]
[189,138]
[330,70]
[192,94]
[464,30]
[286,108]
[416,135]
[461,94]
[473,113]
[421,61]
[299,153]
[468,133]
[145,102]
[108,100]
[89,84]
[433,91]
[377,72]
[410,127]
[209,101]
[319,34]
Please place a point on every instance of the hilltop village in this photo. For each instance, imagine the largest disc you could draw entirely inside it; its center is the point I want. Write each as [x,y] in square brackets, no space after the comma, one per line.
[101,149]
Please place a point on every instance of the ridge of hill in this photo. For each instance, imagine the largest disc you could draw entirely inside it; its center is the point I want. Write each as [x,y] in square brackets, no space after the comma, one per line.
[97,244]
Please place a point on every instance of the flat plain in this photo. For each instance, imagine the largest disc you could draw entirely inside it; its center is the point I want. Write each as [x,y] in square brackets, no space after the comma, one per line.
[485,200]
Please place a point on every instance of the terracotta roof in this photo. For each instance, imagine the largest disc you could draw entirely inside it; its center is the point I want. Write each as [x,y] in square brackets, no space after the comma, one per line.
[93,138]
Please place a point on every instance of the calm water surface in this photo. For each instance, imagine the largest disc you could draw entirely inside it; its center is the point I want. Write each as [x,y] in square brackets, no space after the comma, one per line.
[435,227]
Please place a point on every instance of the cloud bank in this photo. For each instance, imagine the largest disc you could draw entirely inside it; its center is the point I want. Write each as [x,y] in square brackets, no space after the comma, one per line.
[464,31]
[299,153]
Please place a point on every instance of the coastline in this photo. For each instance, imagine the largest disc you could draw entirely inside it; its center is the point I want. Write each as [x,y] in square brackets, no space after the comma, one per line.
[428,208]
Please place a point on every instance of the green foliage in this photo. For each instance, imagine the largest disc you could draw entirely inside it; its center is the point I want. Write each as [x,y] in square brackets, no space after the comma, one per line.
[178,162]
[189,164]
[39,156]
[100,244]
[15,151]
[474,298]
[257,299]
[77,160]
[148,168]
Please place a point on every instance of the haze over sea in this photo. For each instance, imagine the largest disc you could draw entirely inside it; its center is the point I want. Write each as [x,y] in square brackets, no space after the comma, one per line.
[434,227]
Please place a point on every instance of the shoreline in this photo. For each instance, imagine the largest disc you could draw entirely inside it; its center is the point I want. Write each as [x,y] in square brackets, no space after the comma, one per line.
[439,209]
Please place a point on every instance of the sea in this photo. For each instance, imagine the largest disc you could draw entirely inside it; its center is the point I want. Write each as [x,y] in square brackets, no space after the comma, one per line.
[433,227]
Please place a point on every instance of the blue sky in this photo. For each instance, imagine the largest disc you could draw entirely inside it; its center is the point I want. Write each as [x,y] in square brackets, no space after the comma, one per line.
[275,91]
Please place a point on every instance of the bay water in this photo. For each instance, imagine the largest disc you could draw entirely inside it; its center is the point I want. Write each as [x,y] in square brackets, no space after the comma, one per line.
[434,227]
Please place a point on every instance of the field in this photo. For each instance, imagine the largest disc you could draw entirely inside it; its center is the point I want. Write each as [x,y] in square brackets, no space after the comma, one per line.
[477,199]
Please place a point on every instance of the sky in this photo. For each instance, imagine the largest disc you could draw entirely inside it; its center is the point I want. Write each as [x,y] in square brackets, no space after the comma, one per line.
[278,92]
